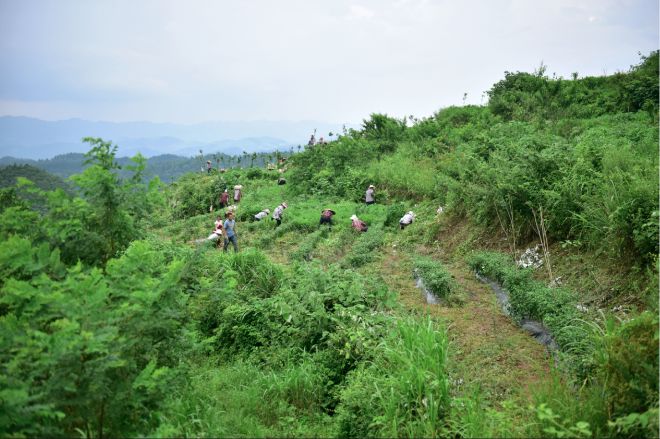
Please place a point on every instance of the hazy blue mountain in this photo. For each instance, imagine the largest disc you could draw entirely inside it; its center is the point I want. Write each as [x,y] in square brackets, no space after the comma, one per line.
[168,167]
[37,139]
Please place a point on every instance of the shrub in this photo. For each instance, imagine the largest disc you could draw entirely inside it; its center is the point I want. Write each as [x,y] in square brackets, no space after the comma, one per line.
[394,213]
[436,278]
[362,251]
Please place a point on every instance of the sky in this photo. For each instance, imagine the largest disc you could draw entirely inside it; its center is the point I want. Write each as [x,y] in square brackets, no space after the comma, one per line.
[335,61]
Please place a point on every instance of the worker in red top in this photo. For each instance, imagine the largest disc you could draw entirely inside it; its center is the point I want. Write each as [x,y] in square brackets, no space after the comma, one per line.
[326,217]
[224,199]
[358,224]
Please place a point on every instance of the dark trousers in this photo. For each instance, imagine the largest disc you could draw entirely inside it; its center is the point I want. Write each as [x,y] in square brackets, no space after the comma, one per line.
[370,202]
[277,221]
[325,220]
[234,242]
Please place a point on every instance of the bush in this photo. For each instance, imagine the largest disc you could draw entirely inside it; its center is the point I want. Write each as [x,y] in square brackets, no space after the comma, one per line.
[530,299]
[362,251]
[436,278]
[394,213]
[91,351]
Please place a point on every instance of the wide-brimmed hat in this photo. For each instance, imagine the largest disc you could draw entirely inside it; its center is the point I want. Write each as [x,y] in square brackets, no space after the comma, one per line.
[371,186]
[411,213]
[354,217]
[285,205]
[267,210]
[238,186]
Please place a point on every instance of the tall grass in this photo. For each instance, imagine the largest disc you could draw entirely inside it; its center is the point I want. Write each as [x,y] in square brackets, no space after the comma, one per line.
[404,392]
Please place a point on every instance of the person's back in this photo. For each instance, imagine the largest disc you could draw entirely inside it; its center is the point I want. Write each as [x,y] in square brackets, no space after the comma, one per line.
[369,196]
[261,215]
[407,219]
[358,224]
[326,217]
[277,213]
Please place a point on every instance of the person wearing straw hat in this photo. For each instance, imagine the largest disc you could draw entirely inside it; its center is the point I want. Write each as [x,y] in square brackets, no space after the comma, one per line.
[358,224]
[208,166]
[370,196]
[261,215]
[326,217]
[277,213]
[406,220]
[237,193]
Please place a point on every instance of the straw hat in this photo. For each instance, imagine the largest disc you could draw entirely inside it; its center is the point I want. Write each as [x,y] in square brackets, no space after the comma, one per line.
[285,205]
[354,217]
[371,186]
[267,210]
[238,186]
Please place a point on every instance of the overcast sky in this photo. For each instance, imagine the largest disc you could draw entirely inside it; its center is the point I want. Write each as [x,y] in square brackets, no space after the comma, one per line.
[328,60]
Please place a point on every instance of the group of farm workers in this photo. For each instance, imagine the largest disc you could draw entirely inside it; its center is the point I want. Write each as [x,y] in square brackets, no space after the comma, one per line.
[227,229]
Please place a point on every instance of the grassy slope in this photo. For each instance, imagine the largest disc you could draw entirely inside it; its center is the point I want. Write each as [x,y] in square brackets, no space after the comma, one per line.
[488,351]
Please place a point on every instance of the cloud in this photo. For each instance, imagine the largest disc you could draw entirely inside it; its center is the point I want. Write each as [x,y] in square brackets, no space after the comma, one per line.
[357,12]
[166,60]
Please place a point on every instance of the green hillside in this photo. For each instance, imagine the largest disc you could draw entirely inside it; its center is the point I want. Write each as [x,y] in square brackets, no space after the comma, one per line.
[118,317]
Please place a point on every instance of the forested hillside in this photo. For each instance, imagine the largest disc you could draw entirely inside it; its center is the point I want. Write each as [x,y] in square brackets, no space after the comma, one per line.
[167,167]
[522,300]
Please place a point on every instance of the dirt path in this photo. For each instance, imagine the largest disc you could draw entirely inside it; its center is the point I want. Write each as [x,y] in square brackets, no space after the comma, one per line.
[488,349]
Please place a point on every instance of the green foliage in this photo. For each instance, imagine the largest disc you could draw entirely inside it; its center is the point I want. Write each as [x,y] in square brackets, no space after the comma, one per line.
[363,251]
[437,279]
[394,213]
[531,299]
[525,96]
[385,131]
[405,392]
[43,180]
[168,339]
[89,352]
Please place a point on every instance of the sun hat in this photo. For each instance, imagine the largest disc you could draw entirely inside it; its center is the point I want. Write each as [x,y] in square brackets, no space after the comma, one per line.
[371,186]
[267,210]
[285,205]
[354,217]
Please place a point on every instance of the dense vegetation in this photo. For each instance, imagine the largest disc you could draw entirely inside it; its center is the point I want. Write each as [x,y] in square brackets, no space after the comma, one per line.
[115,323]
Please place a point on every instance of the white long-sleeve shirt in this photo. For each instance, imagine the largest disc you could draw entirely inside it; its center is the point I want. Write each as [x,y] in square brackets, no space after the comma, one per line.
[277,214]
[407,219]
[261,215]
[369,195]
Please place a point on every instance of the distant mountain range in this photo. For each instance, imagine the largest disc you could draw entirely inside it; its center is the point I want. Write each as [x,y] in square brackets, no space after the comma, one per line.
[29,138]
[168,167]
